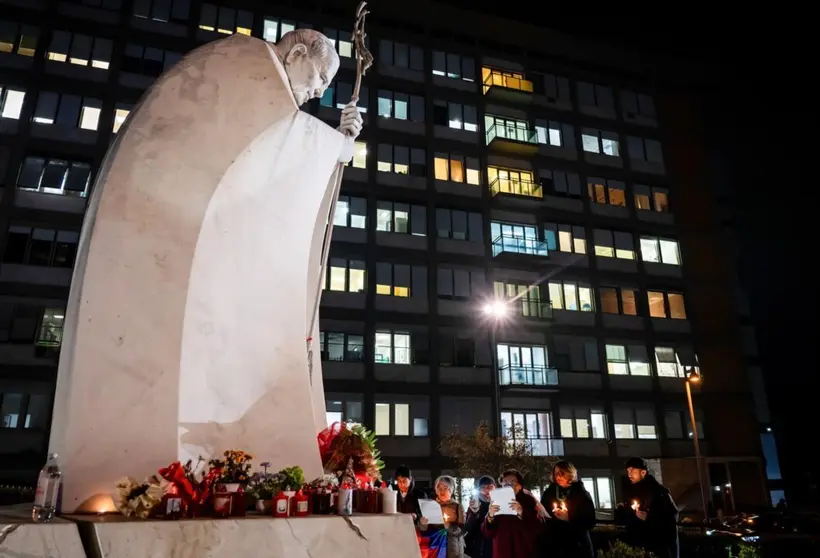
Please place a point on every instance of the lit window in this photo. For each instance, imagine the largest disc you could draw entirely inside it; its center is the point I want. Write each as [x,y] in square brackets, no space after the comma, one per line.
[658,250]
[583,422]
[513,182]
[392,348]
[627,360]
[596,141]
[634,423]
[120,114]
[89,117]
[11,102]
[570,295]
[359,155]
[618,300]
[600,488]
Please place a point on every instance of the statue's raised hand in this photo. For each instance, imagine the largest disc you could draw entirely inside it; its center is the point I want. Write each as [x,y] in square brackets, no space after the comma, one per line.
[351,121]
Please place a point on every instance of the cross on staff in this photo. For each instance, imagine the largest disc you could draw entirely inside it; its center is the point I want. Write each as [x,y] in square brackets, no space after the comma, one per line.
[363,61]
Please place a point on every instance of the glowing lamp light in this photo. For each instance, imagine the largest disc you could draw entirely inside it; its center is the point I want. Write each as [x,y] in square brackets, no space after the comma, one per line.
[693,376]
[99,504]
[495,309]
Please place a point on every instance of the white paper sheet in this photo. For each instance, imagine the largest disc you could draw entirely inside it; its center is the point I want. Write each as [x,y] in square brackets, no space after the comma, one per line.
[431,510]
[502,497]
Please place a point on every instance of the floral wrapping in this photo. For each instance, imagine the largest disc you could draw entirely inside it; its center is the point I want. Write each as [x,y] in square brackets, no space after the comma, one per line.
[340,442]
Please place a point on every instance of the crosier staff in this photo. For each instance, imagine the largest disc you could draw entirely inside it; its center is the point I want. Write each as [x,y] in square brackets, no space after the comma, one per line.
[363,61]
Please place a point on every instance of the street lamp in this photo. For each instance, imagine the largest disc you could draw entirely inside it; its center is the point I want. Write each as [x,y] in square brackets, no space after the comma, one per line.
[693,377]
[495,311]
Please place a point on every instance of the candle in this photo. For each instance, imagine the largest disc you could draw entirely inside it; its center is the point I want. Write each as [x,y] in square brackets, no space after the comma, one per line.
[635,505]
[444,515]
[388,500]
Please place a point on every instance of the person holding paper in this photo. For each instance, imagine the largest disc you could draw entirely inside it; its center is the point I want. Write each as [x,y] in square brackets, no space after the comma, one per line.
[573,515]
[450,520]
[513,530]
[407,499]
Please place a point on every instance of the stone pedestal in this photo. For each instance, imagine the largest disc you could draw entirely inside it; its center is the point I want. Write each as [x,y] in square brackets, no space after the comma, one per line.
[390,536]
[20,538]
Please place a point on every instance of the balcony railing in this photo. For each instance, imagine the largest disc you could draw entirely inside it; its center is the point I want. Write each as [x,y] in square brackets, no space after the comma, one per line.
[540,446]
[516,187]
[519,245]
[512,133]
[505,79]
[532,307]
[528,375]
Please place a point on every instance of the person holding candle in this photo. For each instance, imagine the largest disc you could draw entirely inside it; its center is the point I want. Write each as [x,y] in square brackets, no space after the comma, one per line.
[477,545]
[573,515]
[513,536]
[453,515]
[649,512]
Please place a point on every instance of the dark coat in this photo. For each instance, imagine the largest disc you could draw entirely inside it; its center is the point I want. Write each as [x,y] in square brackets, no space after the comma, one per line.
[658,533]
[570,538]
[478,546]
[514,537]
[410,503]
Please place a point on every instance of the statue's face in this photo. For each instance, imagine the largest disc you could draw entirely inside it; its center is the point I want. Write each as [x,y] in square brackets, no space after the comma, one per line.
[309,76]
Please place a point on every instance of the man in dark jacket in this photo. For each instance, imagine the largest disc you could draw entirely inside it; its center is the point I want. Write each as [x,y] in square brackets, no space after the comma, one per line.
[649,513]
[477,545]
[407,499]
[573,515]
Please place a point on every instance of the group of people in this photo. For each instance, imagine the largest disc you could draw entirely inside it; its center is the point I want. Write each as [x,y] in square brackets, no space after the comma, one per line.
[557,526]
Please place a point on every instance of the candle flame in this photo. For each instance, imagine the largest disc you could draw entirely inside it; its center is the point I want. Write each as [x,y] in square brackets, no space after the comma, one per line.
[635,505]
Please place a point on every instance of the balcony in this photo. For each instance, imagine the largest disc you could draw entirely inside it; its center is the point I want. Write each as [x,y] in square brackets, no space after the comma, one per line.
[515,187]
[512,139]
[511,244]
[540,446]
[506,86]
[532,308]
[534,375]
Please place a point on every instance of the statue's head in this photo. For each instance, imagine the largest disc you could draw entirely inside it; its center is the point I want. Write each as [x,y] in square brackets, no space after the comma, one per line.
[310,61]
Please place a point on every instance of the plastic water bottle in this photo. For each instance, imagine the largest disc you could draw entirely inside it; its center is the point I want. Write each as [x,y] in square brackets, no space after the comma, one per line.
[48,490]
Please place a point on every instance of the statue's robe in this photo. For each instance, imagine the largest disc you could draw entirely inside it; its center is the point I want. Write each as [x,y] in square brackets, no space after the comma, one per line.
[195,278]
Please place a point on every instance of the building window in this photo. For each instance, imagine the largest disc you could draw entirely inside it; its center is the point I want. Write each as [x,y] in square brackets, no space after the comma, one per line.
[400,159]
[455,115]
[43,247]
[491,77]
[455,350]
[164,11]
[70,111]
[350,212]
[392,347]
[598,96]
[637,105]
[459,225]
[671,363]
[678,422]
[651,199]
[274,28]
[345,275]
[513,181]
[634,422]
[583,422]
[457,168]
[359,160]
[571,295]
[225,20]
[600,488]
[516,238]
[565,238]
[51,327]
[339,94]
[11,102]
[340,410]
[609,244]
[611,192]
[658,301]
[626,360]
[401,218]
[82,50]
[401,106]
[526,425]
[618,300]
[401,55]
[54,176]
[341,347]
[641,149]
[556,88]
[526,297]
[401,419]
[19,39]
[459,284]
[522,365]
[549,133]
[509,128]
[597,141]
[342,41]
[453,66]
[10,408]
[659,250]
[559,183]
[121,112]
[401,280]
[148,61]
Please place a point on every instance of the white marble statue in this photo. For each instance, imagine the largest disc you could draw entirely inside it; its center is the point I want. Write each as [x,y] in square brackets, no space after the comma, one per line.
[198,268]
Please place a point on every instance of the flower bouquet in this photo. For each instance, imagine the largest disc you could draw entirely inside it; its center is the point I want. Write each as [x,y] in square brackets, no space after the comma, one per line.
[139,499]
[191,484]
[340,443]
[235,469]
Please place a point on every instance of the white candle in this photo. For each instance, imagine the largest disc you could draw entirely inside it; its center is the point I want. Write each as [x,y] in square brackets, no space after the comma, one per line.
[388,500]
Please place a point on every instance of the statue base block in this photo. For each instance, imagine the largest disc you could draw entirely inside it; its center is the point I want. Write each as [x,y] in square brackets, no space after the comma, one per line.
[251,537]
[20,537]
